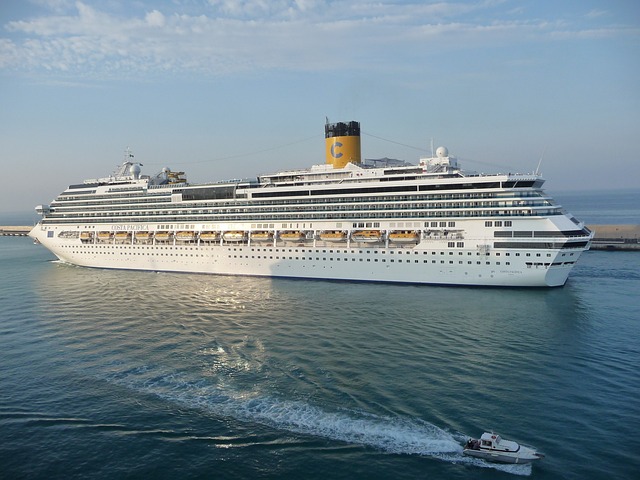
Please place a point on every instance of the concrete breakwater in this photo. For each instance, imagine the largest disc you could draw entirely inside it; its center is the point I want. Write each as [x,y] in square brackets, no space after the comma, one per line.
[14,231]
[615,237]
[607,237]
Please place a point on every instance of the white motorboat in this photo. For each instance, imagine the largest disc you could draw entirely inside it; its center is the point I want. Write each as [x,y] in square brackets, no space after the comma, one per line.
[493,448]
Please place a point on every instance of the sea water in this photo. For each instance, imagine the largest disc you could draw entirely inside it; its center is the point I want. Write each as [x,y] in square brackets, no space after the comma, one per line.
[112,374]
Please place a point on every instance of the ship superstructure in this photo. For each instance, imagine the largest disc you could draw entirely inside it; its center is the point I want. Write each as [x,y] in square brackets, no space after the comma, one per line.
[429,223]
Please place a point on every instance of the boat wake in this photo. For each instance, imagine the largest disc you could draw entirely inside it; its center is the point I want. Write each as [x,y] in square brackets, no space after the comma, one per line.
[392,434]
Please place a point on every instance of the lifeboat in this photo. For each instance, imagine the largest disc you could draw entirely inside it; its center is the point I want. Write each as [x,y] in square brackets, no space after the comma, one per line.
[233,236]
[142,235]
[185,236]
[122,235]
[261,236]
[209,236]
[292,236]
[333,236]
[86,235]
[104,235]
[404,236]
[367,236]
[162,236]
[176,177]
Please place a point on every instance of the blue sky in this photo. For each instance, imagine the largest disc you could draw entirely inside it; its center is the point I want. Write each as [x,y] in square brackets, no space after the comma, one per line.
[234,88]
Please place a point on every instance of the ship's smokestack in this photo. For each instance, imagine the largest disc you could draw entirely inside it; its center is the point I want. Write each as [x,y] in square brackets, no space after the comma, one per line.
[342,143]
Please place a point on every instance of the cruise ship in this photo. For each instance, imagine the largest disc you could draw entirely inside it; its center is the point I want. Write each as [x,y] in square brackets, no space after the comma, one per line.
[347,219]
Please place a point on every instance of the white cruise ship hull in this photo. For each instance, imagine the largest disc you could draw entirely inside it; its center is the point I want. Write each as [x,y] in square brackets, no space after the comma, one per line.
[424,263]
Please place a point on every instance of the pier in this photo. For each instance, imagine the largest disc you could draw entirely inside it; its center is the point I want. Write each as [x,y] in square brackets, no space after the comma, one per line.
[607,237]
[615,237]
[14,231]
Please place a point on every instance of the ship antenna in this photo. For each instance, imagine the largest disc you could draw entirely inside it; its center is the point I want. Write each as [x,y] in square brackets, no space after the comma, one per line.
[540,161]
[431,147]
[127,155]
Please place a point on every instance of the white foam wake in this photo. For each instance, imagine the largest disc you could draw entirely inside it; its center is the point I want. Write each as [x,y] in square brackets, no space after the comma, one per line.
[393,434]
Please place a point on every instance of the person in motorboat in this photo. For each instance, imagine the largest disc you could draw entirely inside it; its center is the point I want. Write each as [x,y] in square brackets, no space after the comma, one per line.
[473,444]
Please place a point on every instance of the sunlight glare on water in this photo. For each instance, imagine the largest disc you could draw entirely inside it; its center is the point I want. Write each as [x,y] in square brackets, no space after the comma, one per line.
[292,379]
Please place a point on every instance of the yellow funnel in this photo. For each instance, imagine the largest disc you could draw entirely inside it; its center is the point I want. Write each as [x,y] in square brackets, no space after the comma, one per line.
[342,143]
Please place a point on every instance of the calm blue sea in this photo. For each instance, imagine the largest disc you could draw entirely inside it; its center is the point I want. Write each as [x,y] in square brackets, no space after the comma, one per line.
[603,207]
[109,374]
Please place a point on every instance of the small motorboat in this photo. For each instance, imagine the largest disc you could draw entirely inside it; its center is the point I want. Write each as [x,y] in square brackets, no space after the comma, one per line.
[492,448]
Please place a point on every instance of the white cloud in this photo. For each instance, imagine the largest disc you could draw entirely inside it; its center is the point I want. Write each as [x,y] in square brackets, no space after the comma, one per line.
[155,19]
[238,35]
[54,5]
[596,13]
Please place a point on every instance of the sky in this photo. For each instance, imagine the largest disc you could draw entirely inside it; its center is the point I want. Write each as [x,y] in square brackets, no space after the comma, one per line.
[235,88]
